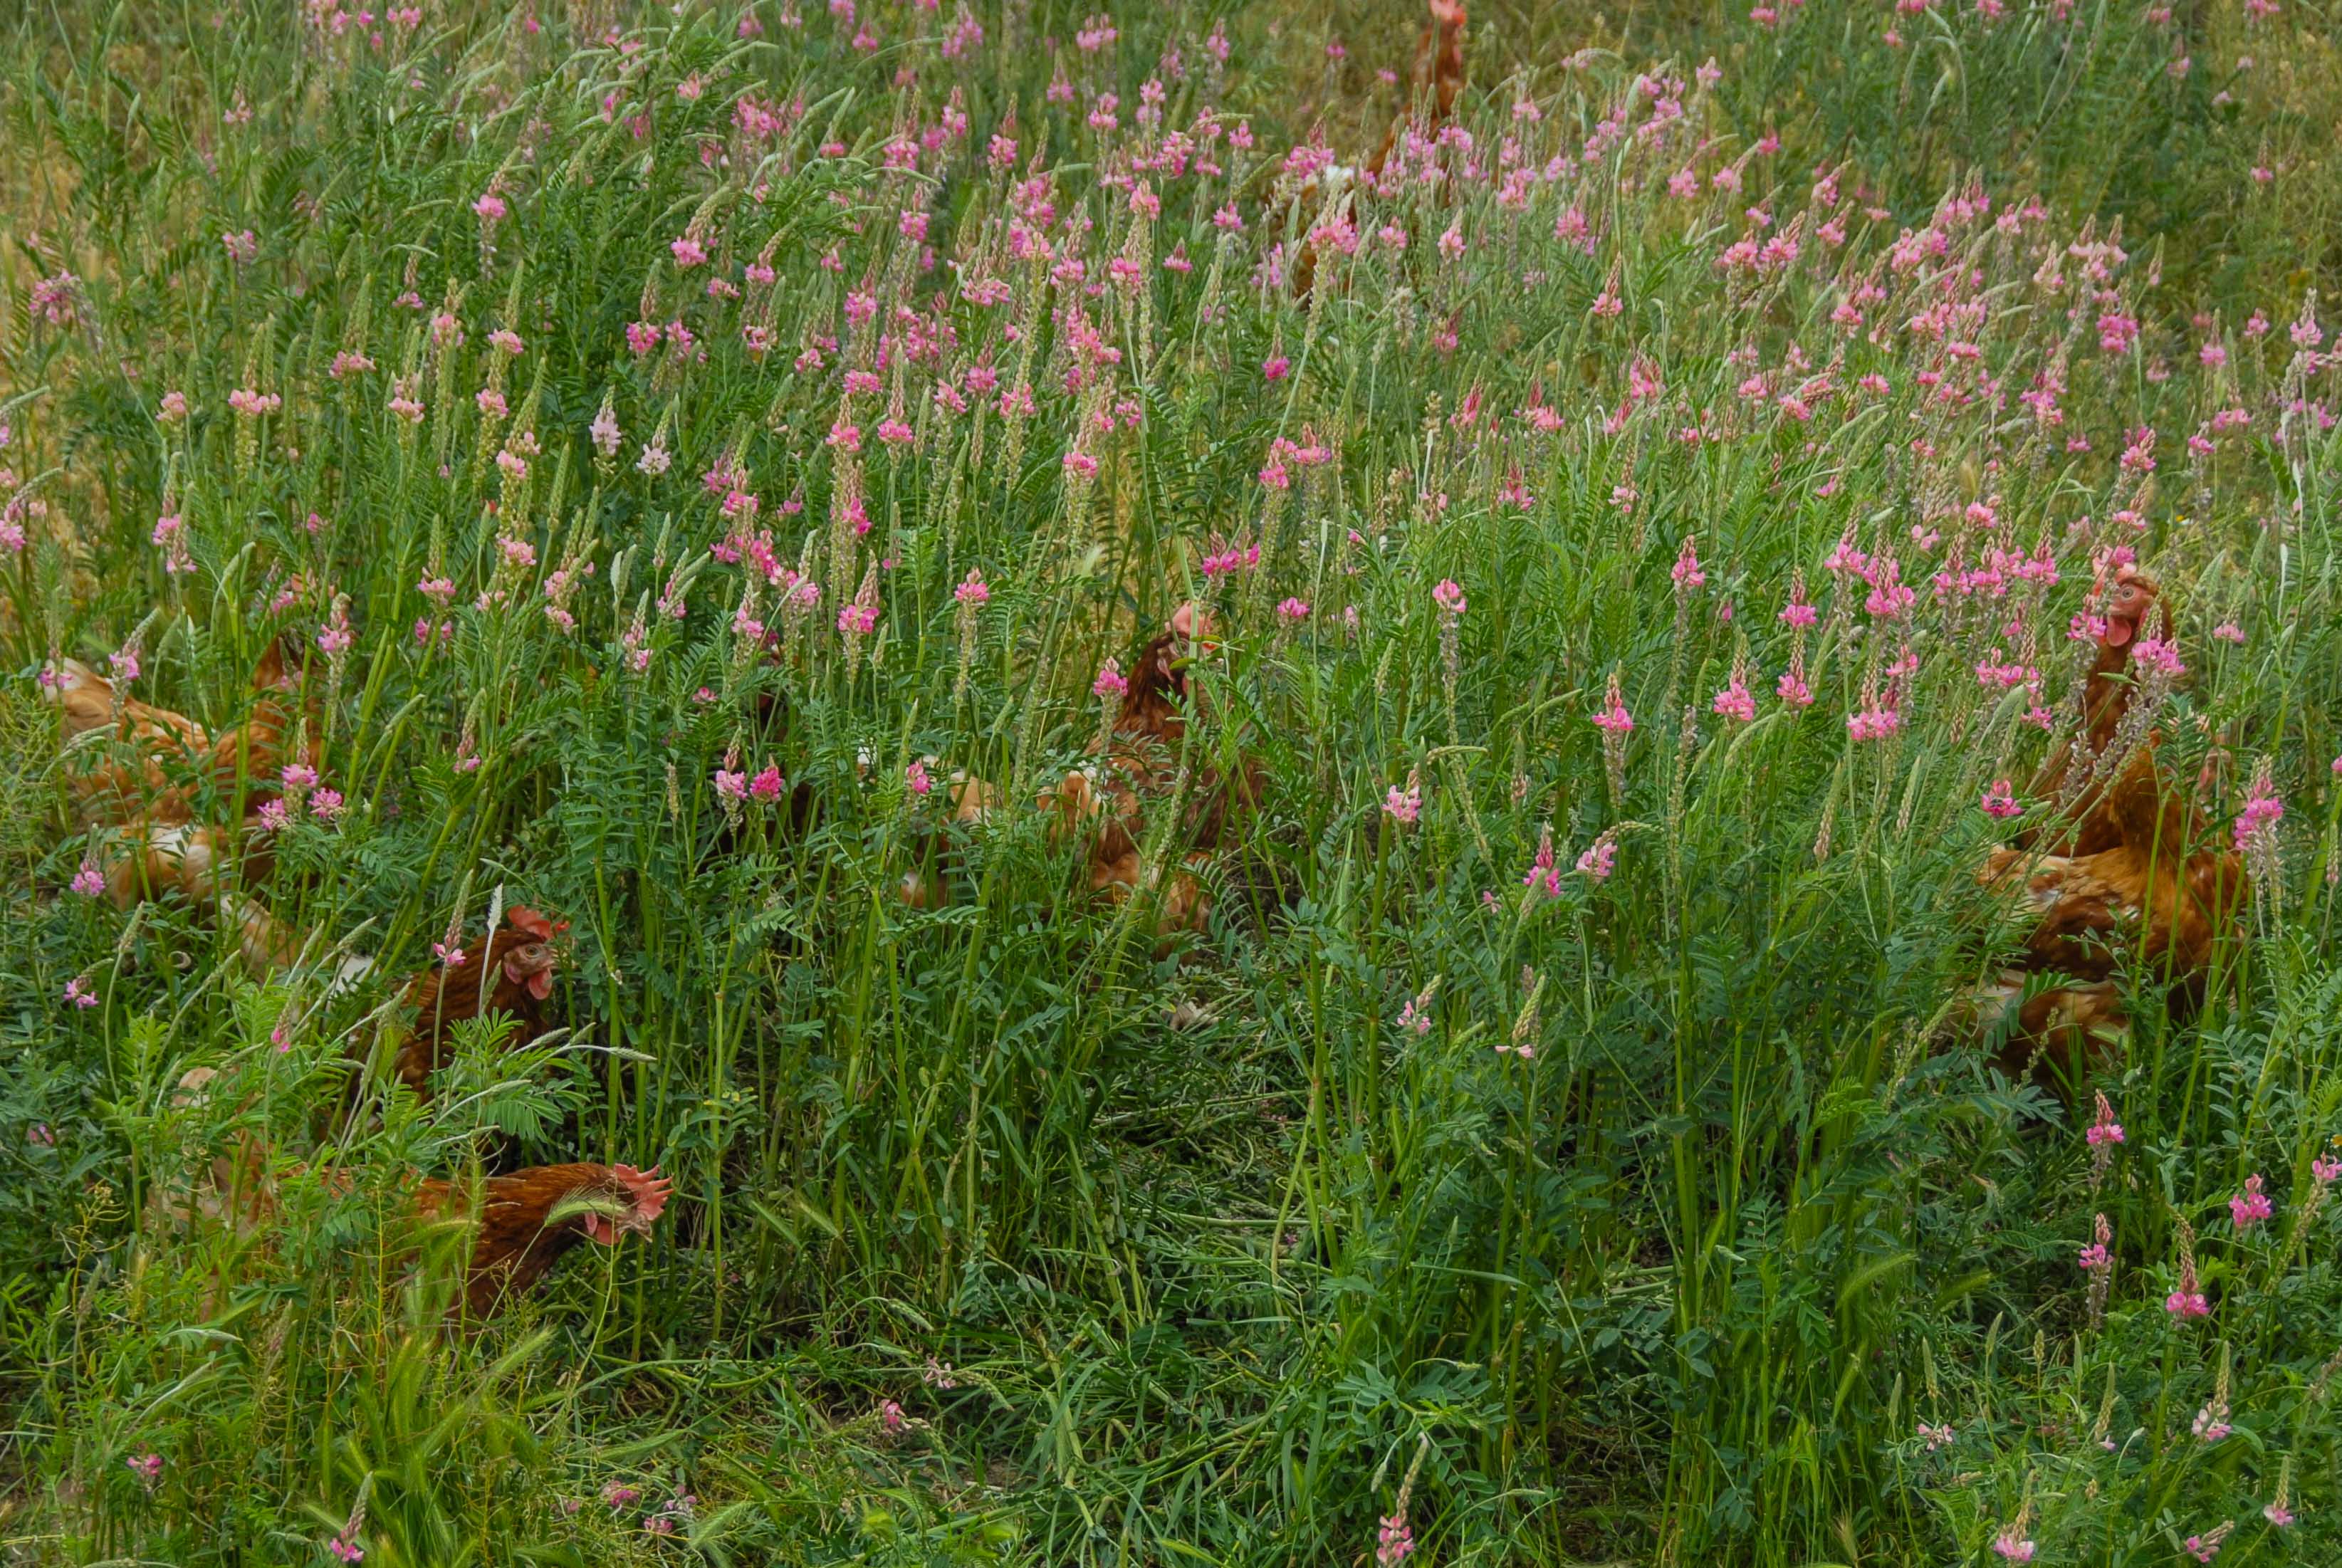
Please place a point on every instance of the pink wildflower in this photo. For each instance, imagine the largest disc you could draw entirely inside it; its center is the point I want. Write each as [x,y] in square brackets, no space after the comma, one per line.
[1601,858]
[1394,1542]
[1403,806]
[1544,873]
[2251,1206]
[2259,818]
[1685,571]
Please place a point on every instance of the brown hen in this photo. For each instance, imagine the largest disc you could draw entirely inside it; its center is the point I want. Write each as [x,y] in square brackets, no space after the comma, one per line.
[2077,771]
[518,962]
[2140,875]
[522,1222]
[1438,78]
[136,774]
[526,1221]
[1137,768]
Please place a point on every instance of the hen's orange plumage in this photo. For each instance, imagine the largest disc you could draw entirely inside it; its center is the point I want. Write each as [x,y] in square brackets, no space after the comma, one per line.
[1438,78]
[2139,875]
[138,775]
[2077,768]
[1438,73]
[524,1222]
[1137,767]
[518,963]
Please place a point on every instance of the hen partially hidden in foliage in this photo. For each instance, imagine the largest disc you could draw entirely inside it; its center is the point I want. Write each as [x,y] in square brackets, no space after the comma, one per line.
[2137,875]
[524,1222]
[1139,768]
[143,778]
[1327,201]
[511,973]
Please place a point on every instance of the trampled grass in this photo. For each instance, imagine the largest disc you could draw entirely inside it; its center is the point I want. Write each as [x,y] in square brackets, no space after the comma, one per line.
[1569,1138]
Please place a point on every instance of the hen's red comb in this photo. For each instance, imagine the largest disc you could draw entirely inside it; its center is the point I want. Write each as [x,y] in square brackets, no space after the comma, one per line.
[650,1190]
[544,927]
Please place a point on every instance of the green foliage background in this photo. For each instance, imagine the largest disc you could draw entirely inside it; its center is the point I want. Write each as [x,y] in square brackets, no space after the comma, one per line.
[1184,1254]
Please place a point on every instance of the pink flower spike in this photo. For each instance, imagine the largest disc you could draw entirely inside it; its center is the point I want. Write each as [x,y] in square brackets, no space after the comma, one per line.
[1735,702]
[1394,1542]
[1601,858]
[2251,1206]
[1544,874]
[2206,1546]
[1685,571]
[2105,1129]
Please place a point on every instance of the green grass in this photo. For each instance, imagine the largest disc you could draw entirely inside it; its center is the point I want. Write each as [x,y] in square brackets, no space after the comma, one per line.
[1216,1246]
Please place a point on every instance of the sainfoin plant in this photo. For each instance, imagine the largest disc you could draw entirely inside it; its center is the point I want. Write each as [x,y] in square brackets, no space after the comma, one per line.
[710,472]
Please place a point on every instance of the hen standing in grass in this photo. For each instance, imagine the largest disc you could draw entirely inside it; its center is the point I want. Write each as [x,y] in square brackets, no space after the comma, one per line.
[525,1221]
[511,974]
[2106,753]
[522,1222]
[1438,78]
[2138,874]
[1139,765]
[145,810]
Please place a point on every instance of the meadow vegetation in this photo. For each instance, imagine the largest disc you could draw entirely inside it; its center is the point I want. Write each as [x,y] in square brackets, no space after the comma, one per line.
[1651,529]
